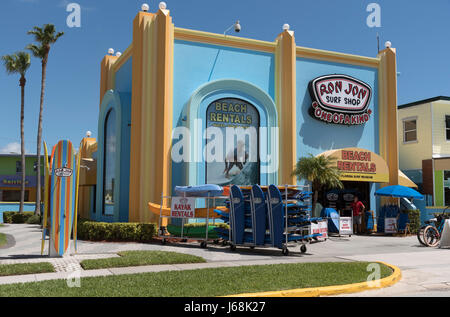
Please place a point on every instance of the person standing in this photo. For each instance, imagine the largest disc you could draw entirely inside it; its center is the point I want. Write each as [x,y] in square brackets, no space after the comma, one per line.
[358,211]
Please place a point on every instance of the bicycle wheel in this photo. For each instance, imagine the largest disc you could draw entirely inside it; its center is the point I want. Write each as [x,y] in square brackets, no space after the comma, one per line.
[431,236]
[420,235]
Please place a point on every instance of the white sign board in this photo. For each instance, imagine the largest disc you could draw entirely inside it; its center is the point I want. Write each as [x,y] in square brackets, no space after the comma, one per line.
[346,225]
[320,227]
[182,207]
[390,225]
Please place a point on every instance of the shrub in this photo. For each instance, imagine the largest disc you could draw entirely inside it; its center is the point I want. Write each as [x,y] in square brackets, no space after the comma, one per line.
[414,220]
[16,217]
[34,220]
[103,231]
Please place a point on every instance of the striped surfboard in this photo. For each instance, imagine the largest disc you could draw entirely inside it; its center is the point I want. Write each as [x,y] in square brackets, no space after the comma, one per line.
[62,197]
[46,196]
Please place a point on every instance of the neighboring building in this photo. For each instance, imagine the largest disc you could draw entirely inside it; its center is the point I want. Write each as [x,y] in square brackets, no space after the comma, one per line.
[321,102]
[424,146]
[11,177]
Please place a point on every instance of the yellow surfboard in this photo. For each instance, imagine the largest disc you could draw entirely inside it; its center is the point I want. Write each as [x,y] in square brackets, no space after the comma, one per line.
[46,197]
[77,184]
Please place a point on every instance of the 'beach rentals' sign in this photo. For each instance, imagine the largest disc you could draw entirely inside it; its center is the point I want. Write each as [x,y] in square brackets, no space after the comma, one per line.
[340,99]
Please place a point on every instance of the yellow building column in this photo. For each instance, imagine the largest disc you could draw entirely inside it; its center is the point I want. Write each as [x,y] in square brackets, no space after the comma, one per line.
[286,105]
[387,82]
[106,75]
[139,24]
[151,113]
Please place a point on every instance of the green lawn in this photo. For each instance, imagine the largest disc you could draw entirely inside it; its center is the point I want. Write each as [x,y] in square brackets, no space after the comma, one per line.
[25,268]
[137,258]
[204,282]
[2,239]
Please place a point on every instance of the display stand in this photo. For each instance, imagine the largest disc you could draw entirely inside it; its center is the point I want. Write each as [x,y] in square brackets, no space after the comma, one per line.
[187,214]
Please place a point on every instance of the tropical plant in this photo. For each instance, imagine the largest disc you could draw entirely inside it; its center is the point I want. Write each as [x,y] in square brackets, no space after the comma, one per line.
[19,63]
[321,171]
[45,37]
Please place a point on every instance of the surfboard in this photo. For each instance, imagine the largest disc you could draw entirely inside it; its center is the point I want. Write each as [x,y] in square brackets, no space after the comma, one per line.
[77,184]
[62,204]
[259,208]
[46,197]
[276,216]
[237,215]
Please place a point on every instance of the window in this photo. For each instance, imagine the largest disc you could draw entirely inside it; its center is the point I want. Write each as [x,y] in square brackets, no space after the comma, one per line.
[109,166]
[18,167]
[447,127]
[447,188]
[13,195]
[409,130]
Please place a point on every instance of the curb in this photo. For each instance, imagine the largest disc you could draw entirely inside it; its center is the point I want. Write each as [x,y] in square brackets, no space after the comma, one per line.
[332,290]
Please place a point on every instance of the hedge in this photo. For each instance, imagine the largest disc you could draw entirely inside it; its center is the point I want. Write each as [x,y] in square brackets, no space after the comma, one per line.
[104,231]
[17,217]
[414,220]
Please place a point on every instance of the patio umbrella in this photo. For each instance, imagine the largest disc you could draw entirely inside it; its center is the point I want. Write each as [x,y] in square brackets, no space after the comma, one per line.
[399,191]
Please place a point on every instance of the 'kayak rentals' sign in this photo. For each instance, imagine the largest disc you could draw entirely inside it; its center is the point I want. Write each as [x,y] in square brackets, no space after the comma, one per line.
[340,99]
[183,207]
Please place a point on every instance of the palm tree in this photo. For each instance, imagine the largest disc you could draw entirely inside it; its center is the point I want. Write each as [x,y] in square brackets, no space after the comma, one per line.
[45,37]
[19,63]
[320,171]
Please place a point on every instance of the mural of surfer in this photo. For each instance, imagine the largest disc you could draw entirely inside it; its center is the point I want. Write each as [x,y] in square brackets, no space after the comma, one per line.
[238,165]
[237,157]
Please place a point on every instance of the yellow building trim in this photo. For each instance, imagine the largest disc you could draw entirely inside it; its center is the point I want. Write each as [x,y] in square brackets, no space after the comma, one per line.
[152,106]
[329,56]
[136,115]
[388,120]
[163,109]
[123,58]
[286,105]
[106,75]
[224,40]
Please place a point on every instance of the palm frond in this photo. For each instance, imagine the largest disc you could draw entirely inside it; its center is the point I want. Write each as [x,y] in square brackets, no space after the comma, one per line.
[38,51]
[46,35]
[17,63]
[320,170]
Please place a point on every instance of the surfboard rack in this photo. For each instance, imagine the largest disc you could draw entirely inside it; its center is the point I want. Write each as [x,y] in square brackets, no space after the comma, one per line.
[269,217]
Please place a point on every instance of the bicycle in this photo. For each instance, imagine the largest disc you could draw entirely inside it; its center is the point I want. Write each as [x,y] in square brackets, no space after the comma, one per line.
[430,234]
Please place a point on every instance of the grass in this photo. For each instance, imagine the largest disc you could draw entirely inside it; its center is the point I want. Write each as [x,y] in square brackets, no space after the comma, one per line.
[2,239]
[25,268]
[204,282]
[138,258]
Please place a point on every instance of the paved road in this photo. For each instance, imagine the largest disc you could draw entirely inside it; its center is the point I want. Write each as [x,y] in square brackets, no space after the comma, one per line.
[426,271]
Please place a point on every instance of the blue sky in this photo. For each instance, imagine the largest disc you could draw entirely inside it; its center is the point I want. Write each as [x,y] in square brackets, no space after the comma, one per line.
[417,29]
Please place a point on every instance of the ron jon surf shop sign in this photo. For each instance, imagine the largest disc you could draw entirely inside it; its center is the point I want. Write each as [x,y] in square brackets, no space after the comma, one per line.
[340,99]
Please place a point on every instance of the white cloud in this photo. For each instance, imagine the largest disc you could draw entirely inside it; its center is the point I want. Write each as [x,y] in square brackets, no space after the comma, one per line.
[13,147]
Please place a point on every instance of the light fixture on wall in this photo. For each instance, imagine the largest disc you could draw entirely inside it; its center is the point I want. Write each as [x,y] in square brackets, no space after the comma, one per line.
[286,27]
[145,7]
[111,51]
[118,54]
[88,134]
[237,27]
[162,5]
[388,44]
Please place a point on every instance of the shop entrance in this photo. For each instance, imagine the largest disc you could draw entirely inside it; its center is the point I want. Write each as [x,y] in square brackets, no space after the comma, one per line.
[341,199]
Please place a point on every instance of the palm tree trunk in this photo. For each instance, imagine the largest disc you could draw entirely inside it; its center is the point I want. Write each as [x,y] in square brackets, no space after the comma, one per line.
[314,204]
[39,138]
[22,142]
